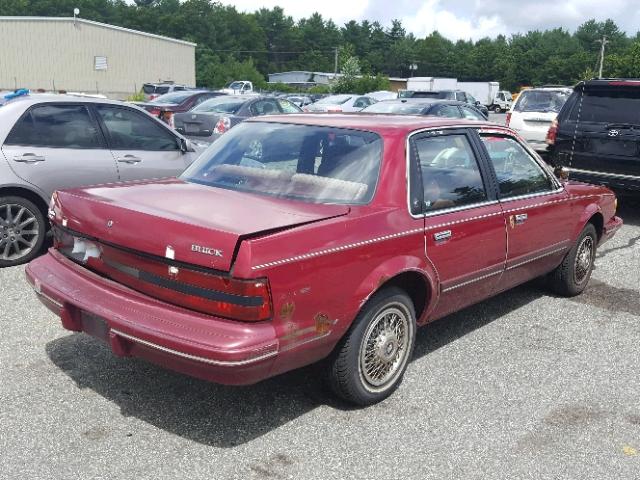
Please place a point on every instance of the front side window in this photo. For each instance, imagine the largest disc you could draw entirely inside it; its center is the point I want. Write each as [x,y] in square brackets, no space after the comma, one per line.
[450,172]
[302,162]
[131,130]
[59,126]
[518,173]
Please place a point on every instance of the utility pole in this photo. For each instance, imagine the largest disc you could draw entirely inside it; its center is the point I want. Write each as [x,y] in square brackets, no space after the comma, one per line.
[602,42]
[335,62]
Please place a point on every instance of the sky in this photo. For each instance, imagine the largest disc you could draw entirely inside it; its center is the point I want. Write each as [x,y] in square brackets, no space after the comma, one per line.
[463,19]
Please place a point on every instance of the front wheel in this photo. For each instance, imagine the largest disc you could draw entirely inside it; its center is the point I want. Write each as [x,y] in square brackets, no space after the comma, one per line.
[571,277]
[22,231]
[369,362]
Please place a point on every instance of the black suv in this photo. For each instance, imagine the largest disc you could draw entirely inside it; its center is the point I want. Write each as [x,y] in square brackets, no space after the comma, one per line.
[596,135]
[458,95]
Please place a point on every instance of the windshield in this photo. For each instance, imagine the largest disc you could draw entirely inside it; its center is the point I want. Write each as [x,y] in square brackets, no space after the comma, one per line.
[541,101]
[308,163]
[609,106]
[235,85]
[334,100]
[220,104]
[173,98]
[403,108]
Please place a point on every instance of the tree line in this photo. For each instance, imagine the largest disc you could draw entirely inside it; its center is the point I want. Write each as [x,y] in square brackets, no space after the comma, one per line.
[235,45]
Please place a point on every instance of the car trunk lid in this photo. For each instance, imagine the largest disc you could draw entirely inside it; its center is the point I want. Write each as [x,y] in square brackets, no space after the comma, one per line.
[185,222]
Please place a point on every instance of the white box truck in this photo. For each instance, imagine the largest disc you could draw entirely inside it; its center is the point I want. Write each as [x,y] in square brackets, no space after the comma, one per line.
[488,94]
[430,84]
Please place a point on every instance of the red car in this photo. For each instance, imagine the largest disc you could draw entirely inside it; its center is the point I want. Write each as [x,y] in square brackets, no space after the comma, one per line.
[305,237]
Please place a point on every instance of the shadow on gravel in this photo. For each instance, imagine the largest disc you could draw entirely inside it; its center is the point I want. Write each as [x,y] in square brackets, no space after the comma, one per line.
[225,416]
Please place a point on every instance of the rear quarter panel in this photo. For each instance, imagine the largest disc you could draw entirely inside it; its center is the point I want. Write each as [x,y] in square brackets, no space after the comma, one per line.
[322,273]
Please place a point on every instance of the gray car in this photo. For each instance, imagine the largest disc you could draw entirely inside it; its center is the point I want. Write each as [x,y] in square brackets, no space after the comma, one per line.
[212,118]
[52,142]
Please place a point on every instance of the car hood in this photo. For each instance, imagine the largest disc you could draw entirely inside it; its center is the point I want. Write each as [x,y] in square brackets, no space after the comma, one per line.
[192,223]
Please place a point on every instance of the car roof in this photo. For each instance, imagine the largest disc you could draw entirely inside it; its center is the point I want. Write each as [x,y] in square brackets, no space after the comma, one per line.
[379,123]
[423,101]
[610,82]
[33,99]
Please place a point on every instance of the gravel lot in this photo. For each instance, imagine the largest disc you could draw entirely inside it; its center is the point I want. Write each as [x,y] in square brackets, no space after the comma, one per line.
[526,385]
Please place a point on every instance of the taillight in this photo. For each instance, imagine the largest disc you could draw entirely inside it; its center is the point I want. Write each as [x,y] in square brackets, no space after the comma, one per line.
[155,112]
[202,291]
[334,109]
[552,133]
[508,120]
[222,126]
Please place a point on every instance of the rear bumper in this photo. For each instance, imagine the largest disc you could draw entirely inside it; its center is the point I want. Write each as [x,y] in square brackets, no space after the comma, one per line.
[215,349]
[611,180]
[610,229]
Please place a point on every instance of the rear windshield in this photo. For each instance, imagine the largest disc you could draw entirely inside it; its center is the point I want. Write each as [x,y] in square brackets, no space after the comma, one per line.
[541,101]
[173,98]
[220,105]
[148,88]
[396,107]
[308,163]
[609,106]
[441,95]
[334,99]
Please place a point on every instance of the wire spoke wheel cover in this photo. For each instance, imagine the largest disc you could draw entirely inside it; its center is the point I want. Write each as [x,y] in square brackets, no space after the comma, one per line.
[584,259]
[385,348]
[19,231]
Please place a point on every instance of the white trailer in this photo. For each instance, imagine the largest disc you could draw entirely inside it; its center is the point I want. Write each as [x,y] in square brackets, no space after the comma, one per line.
[488,94]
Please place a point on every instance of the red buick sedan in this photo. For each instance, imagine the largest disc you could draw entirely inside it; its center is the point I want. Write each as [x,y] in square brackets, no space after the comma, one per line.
[307,237]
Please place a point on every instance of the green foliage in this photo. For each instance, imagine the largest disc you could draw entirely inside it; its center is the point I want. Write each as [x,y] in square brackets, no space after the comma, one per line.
[320,89]
[234,45]
[136,97]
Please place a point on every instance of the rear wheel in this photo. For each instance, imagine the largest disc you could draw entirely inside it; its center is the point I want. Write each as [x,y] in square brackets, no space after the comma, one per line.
[22,231]
[369,362]
[571,277]
[497,109]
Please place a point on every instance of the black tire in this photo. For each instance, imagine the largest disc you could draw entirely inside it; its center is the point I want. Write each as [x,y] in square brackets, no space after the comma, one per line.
[497,109]
[572,276]
[345,373]
[20,219]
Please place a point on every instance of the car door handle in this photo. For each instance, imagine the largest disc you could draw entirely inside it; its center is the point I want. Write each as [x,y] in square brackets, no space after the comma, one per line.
[29,158]
[521,218]
[130,159]
[440,236]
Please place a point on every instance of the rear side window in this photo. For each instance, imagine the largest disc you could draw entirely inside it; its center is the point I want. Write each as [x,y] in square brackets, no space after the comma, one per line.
[288,107]
[447,111]
[471,114]
[450,173]
[608,106]
[130,130]
[60,126]
[517,172]
[265,107]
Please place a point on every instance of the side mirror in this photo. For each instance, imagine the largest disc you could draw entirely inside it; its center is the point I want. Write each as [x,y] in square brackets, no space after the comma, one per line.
[561,173]
[186,145]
